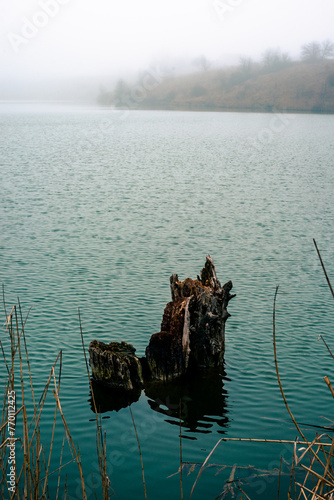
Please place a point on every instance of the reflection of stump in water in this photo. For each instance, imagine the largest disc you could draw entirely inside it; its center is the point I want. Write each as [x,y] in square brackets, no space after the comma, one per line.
[203,402]
[109,399]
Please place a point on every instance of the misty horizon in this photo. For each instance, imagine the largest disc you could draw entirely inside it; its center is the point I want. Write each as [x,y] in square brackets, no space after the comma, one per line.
[63,49]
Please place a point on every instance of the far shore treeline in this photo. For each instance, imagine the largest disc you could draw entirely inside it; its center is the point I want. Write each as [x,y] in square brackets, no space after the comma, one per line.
[277,82]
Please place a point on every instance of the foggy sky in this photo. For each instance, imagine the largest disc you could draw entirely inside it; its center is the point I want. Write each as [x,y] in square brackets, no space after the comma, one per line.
[55,39]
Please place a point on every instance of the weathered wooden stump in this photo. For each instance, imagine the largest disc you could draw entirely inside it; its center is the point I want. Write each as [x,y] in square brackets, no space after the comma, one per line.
[115,365]
[192,332]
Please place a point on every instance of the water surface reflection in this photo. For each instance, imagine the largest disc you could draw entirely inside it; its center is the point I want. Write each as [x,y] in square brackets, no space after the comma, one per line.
[200,402]
[197,404]
[108,399]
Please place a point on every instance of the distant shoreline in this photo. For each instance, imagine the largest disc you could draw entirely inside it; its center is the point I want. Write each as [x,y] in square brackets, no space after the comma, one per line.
[191,107]
[294,88]
[221,109]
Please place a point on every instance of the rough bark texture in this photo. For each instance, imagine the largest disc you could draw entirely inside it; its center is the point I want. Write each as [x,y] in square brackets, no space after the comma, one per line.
[115,365]
[192,332]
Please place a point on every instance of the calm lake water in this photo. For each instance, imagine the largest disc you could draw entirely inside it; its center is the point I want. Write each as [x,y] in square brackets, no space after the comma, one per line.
[98,208]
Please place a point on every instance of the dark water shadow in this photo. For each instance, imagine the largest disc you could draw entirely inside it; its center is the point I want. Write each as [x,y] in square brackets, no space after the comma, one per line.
[202,399]
[107,399]
[199,401]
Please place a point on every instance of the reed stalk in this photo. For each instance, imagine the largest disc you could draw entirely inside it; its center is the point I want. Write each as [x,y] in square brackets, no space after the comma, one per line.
[101,441]
[32,478]
[76,453]
[140,453]
[279,477]
[181,465]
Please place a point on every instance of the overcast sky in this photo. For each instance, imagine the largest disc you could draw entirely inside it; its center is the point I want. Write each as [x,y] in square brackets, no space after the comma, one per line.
[56,38]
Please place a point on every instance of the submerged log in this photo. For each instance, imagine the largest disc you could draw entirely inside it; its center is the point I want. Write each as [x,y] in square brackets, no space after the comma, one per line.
[192,332]
[115,365]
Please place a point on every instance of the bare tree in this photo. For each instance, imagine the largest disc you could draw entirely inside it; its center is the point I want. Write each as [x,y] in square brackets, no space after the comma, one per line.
[202,63]
[311,52]
[315,51]
[327,49]
[274,60]
[246,66]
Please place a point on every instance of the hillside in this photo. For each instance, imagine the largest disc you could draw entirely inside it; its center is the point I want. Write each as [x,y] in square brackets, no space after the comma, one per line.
[299,87]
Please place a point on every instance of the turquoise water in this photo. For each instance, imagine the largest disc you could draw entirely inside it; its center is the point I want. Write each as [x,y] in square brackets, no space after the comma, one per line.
[98,208]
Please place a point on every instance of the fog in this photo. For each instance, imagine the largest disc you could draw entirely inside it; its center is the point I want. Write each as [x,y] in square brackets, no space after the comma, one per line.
[58,49]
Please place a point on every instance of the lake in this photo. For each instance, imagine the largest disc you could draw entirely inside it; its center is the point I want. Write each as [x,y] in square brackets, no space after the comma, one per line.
[99,207]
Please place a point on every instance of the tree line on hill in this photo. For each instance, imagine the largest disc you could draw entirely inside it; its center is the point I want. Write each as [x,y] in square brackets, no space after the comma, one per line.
[273,60]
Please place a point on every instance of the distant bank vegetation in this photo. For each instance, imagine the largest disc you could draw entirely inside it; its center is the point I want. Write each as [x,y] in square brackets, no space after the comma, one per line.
[277,82]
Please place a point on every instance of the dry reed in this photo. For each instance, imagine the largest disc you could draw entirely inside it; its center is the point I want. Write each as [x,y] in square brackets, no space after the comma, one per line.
[140,453]
[318,477]
[34,467]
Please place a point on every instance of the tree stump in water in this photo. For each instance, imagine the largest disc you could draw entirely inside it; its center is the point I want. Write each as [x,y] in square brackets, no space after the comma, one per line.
[192,337]
[192,332]
[115,365]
